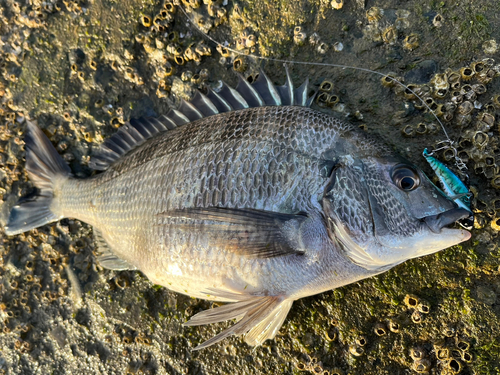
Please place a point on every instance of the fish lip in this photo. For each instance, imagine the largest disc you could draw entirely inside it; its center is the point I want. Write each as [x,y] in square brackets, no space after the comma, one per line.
[443,219]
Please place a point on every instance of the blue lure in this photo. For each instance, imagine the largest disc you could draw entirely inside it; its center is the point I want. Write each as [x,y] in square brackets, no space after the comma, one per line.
[452,186]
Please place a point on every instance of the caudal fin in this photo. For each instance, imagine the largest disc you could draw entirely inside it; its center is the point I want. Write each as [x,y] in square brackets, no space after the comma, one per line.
[45,167]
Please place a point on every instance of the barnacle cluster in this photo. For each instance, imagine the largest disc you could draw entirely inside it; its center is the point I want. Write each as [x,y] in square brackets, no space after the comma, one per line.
[168,50]
[300,37]
[417,306]
[459,98]
[380,28]
[315,366]
[326,97]
[38,279]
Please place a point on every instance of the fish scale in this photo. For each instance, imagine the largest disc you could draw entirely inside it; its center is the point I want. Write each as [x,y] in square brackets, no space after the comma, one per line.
[257,206]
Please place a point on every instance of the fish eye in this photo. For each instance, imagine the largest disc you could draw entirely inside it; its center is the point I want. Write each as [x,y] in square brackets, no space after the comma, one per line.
[405,177]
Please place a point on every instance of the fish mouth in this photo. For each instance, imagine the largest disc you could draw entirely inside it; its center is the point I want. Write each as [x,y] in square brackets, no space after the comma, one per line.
[437,222]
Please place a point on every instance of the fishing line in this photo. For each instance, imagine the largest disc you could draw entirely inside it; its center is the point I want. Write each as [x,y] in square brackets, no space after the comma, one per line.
[458,161]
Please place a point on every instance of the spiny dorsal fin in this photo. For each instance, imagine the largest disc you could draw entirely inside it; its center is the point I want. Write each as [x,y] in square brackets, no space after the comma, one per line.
[260,93]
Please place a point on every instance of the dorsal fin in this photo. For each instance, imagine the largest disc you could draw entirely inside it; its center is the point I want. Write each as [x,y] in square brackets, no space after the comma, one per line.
[260,93]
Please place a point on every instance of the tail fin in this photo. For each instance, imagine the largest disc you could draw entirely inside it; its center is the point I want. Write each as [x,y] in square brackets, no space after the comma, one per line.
[44,166]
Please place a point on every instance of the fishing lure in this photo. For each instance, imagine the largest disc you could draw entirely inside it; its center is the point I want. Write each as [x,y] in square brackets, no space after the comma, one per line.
[452,186]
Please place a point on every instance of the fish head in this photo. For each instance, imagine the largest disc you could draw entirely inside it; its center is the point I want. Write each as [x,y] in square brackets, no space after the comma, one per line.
[384,211]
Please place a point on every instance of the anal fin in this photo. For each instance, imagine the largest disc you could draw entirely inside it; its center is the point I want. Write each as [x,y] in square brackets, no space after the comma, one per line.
[106,257]
[260,318]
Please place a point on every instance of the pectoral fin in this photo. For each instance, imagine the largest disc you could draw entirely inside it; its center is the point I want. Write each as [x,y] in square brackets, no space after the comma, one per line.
[249,232]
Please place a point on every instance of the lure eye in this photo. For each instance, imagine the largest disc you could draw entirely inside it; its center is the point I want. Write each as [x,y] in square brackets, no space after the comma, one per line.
[406,178]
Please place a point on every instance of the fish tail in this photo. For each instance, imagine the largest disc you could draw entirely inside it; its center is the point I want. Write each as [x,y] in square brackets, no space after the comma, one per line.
[46,169]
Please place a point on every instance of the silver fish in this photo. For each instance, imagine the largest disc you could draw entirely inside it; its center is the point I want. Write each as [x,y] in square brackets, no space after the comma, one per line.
[248,196]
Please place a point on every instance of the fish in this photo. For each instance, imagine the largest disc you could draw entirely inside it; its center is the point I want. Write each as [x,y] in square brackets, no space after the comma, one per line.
[244,195]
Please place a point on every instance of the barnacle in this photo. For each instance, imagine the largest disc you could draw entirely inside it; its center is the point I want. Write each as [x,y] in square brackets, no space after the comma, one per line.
[169,6]
[203,23]
[422,365]
[480,139]
[408,131]
[462,344]
[115,65]
[442,354]
[67,116]
[326,86]
[356,350]
[411,42]
[240,64]
[467,357]
[191,54]
[175,49]
[194,4]
[332,100]
[223,51]
[336,371]
[490,47]
[410,91]
[146,21]
[456,97]
[496,101]
[361,341]
[440,81]
[299,38]
[314,39]
[186,75]
[322,47]
[402,23]
[388,80]
[465,108]
[454,365]
[440,94]
[466,73]
[411,300]
[485,121]
[486,76]
[479,88]
[179,60]
[322,99]
[374,14]
[337,4]
[380,329]
[330,335]
[203,50]
[421,128]
[416,317]
[417,352]
[301,366]
[448,331]
[423,307]
[454,77]
[165,70]
[99,103]
[116,122]
[438,20]
[393,325]
[431,104]
[390,35]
